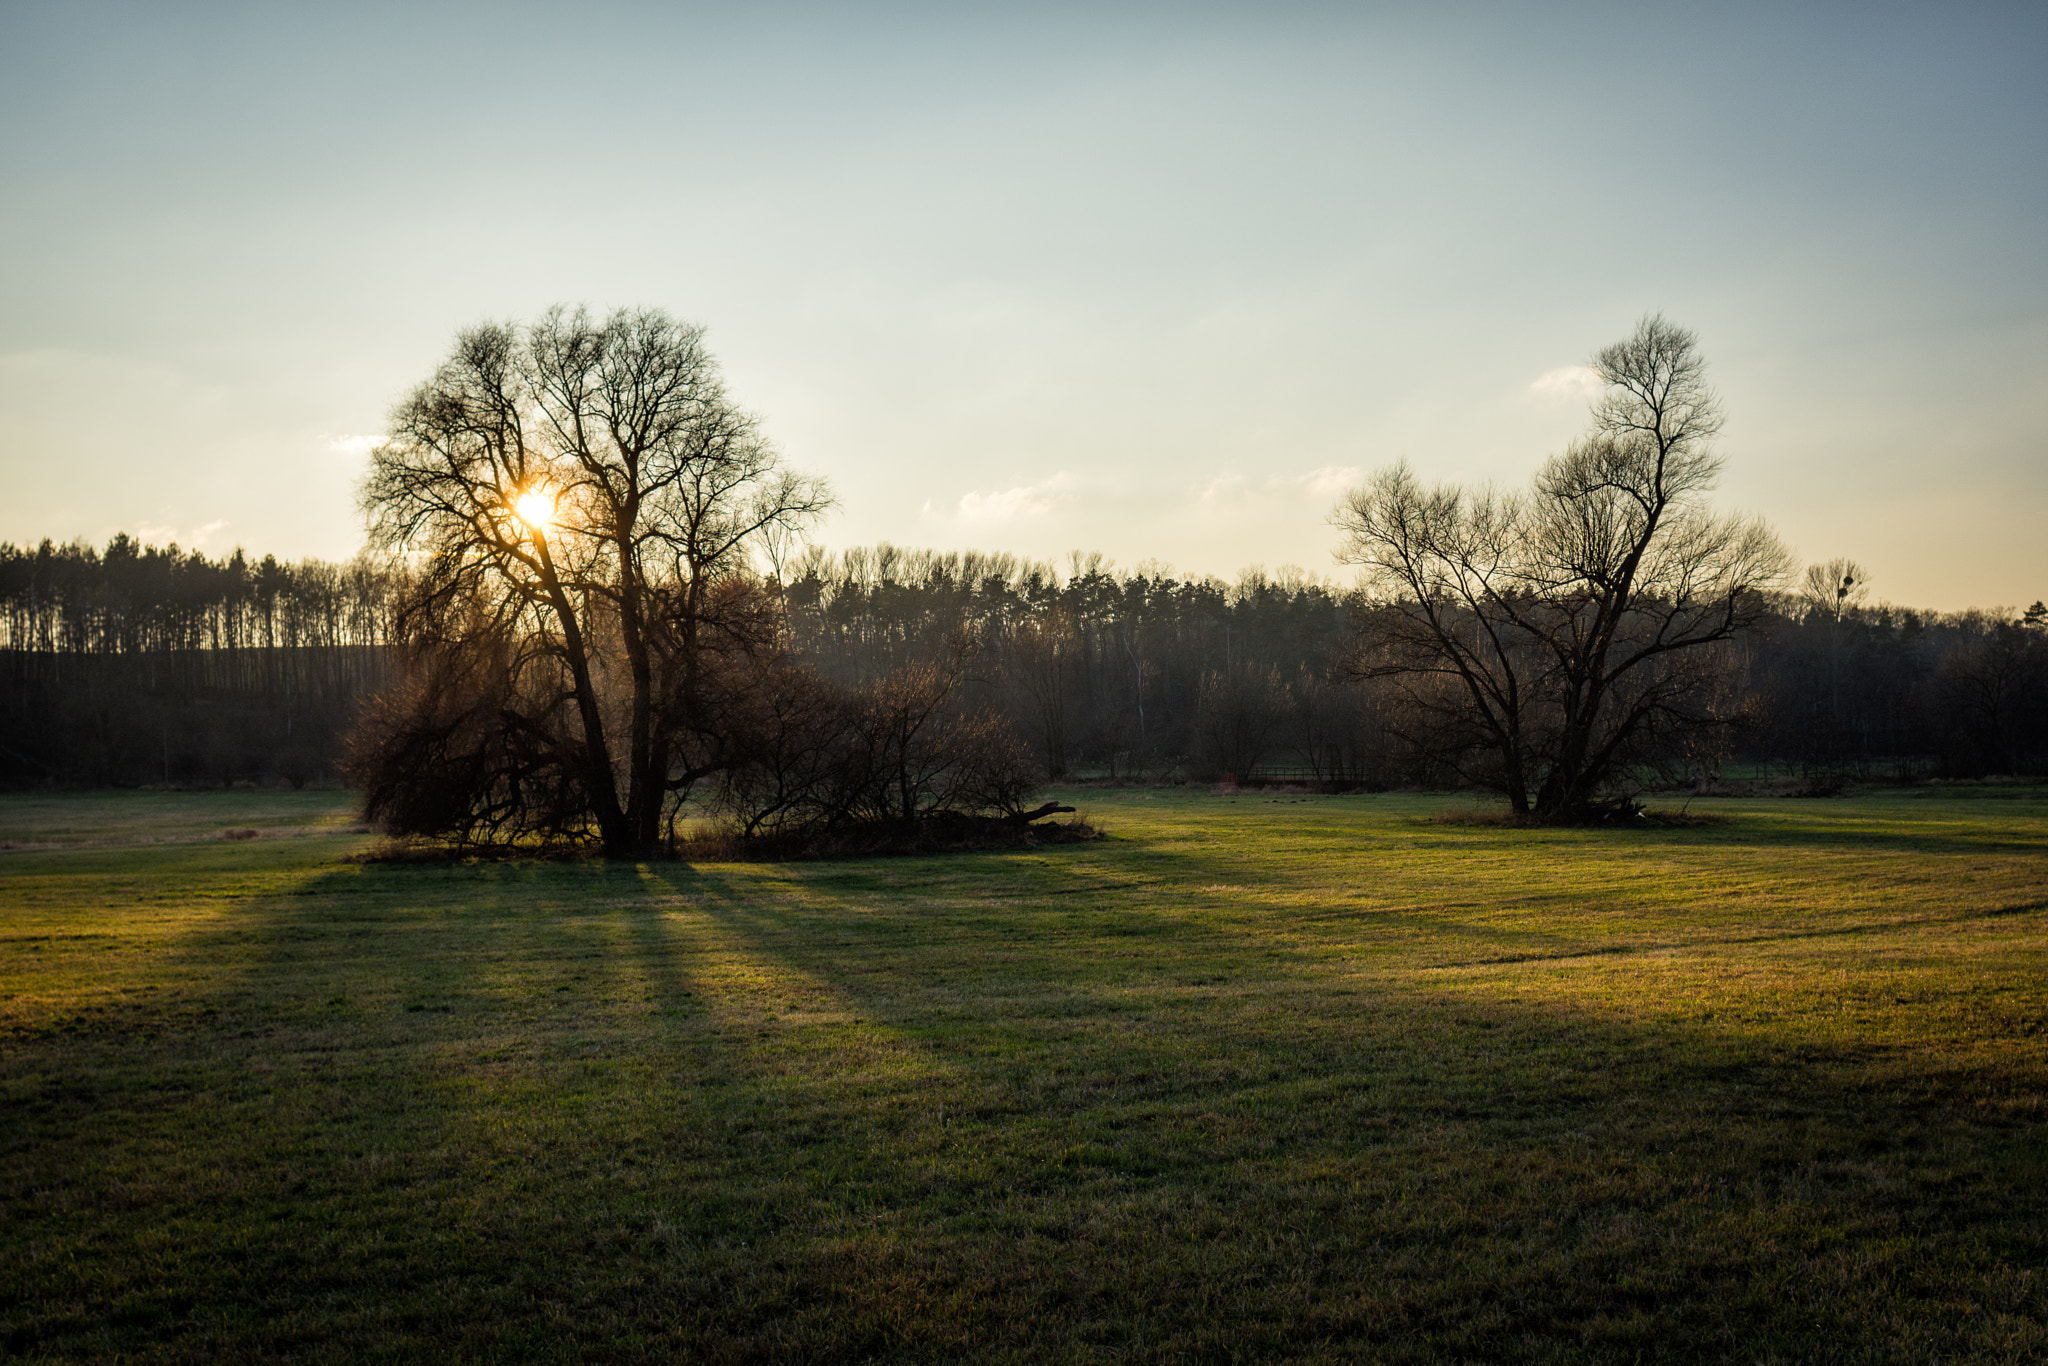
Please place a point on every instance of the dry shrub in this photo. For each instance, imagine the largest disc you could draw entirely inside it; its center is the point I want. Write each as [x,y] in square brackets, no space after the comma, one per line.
[473,750]
[895,765]
[457,750]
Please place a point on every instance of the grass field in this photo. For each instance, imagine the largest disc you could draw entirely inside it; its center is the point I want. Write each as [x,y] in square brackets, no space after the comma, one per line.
[1255,1078]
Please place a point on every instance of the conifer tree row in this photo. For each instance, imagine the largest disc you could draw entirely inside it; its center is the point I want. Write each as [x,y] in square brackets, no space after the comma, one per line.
[145,664]
[138,664]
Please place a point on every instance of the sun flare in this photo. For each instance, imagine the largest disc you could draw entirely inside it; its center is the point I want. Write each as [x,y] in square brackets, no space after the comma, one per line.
[536,508]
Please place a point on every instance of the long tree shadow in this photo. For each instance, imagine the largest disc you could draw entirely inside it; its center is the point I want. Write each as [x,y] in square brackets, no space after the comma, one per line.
[985,1108]
[1112,1082]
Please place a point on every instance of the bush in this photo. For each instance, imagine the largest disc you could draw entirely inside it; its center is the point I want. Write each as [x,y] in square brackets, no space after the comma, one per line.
[469,749]
[890,756]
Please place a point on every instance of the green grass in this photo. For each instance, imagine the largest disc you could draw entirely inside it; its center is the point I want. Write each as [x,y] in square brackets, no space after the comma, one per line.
[64,820]
[1256,1078]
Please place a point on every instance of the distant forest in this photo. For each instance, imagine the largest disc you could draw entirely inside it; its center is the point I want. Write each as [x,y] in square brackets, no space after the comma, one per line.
[138,665]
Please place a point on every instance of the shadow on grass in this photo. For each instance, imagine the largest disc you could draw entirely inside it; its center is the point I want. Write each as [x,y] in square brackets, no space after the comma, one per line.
[989,1108]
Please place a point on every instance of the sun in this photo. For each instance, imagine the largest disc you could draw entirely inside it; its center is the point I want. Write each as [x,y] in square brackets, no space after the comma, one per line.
[536,508]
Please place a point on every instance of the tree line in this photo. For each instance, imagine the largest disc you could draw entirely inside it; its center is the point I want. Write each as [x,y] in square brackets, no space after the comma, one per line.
[144,664]
[246,670]
[590,603]
[1850,689]
[134,598]
[1141,674]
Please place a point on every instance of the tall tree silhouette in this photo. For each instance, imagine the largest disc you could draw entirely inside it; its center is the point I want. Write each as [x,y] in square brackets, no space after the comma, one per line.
[581,495]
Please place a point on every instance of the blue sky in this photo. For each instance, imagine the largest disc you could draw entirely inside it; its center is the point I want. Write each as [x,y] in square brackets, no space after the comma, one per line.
[1153,281]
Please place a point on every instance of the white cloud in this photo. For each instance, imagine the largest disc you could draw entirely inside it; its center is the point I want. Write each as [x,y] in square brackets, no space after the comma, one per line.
[1331,480]
[1326,481]
[153,533]
[1029,500]
[1567,381]
[354,445]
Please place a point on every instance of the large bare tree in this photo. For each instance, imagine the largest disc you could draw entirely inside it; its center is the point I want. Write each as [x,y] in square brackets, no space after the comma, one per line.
[1548,639]
[582,494]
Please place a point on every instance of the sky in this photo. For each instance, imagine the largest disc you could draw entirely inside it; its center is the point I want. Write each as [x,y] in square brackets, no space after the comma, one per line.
[1155,281]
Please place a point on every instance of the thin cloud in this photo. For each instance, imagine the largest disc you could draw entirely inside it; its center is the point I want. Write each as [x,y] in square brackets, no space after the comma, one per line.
[1331,480]
[1567,381]
[1007,505]
[1325,481]
[355,445]
[152,533]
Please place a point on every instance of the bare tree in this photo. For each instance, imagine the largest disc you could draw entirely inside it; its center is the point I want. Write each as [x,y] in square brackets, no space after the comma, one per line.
[584,495]
[1042,652]
[1239,709]
[1831,592]
[1994,693]
[1834,589]
[1549,639]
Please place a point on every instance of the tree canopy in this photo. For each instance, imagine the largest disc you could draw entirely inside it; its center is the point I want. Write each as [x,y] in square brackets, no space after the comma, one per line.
[580,495]
[1547,638]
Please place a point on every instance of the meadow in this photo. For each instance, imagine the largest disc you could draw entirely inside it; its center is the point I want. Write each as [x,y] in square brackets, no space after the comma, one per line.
[1260,1077]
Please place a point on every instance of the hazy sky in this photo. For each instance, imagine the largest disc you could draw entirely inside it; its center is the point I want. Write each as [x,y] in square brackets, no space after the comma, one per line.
[1153,281]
